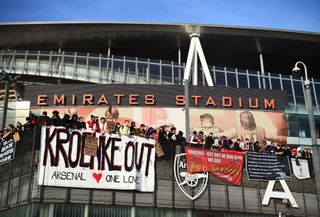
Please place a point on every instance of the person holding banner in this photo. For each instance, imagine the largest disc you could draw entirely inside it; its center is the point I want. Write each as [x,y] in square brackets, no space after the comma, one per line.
[164,142]
[103,125]
[125,129]
[92,124]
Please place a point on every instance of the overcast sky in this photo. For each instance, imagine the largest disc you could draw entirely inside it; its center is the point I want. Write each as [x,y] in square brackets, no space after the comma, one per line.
[281,14]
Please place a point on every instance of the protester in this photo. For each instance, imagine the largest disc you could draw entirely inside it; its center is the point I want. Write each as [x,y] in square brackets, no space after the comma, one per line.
[125,129]
[44,119]
[82,124]
[133,130]
[103,127]
[209,141]
[55,119]
[170,141]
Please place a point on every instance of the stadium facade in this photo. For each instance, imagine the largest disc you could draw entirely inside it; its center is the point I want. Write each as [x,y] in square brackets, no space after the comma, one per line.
[116,55]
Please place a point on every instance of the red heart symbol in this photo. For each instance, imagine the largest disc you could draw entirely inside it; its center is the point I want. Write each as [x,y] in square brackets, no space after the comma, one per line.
[97,176]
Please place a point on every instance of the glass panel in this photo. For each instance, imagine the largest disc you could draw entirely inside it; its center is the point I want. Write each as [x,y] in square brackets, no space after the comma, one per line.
[243,81]
[131,72]
[220,78]
[276,85]
[142,69]
[254,83]
[232,82]
[166,74]
[304,128]
[155,74]
[287,87]
[293,125]
[298,92]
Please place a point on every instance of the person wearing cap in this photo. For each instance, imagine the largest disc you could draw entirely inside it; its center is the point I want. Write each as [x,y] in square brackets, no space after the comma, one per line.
[8,132]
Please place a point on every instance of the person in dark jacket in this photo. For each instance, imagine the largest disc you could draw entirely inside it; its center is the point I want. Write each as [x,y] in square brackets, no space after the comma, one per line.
[133,130]
[82,124]
[74,123]
[172,141]
[44,119]
[55,119]
[164,142]
[236,145]
[28,125]
[66,122]
[209,141]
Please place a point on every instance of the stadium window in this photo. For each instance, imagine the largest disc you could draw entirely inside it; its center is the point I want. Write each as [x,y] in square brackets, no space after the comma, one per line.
[232,82]
[220,79]
[275,82]
[298,90]
[254,83]
[243,81]
[293,125]
[304,127]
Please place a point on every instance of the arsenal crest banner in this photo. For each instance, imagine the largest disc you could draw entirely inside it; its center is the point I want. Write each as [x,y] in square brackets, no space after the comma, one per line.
[226,165]
[80,160]
[267,167]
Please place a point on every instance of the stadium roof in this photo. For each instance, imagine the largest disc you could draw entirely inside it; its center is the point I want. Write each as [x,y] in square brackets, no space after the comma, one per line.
[223,45]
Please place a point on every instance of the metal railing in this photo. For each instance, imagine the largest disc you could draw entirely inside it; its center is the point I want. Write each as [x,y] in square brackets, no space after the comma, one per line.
[101,69]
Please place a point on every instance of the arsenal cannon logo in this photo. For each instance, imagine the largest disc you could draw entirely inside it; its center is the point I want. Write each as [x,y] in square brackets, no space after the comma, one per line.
[192,185]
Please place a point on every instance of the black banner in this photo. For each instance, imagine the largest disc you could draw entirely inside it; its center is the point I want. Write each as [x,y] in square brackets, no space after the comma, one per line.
[7,151]
[154,95]
[267,167]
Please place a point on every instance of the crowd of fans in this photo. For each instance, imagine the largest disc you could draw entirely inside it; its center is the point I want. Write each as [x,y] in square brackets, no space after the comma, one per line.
[167,136]
[198,139]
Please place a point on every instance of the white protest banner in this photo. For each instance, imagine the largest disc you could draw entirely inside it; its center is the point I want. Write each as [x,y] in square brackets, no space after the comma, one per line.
[300,168]
[121,162]
[7,151]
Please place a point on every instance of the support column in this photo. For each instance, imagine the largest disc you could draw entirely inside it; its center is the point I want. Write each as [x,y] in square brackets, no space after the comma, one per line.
[262,71]
[186,109]
[47,210]
[192,60]
[179,62]
[86,211]
[133,211]
[108,61]
[195,69]
[315,147]
[5,104]
[109,51]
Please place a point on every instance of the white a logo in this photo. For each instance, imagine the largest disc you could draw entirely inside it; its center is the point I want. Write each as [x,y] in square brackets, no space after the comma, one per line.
[192,185]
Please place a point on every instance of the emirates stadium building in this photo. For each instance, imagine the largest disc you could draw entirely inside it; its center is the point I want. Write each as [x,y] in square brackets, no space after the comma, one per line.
[138,72]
